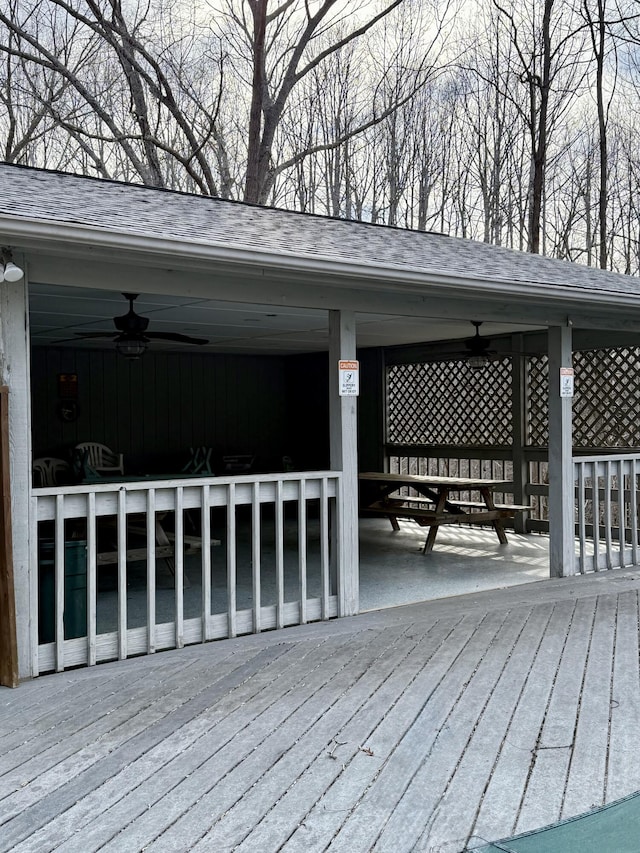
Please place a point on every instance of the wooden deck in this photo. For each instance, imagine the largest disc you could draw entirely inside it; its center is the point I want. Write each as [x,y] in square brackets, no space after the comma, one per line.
[422,728]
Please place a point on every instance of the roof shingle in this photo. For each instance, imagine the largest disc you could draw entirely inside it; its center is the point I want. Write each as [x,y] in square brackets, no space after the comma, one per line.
[56,197]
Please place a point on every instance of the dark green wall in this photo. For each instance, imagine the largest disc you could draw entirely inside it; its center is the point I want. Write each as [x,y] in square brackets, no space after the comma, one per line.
[155,409]
[371,412]
[308,410]
[307,384]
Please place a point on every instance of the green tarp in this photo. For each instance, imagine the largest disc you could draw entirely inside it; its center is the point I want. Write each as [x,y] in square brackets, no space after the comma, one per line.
[611,829]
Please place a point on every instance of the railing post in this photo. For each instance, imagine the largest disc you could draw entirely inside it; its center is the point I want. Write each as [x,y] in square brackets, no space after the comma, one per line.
[561,474]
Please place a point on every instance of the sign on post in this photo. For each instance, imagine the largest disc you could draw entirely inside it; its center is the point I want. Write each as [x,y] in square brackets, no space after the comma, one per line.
[566,381]
[349,378]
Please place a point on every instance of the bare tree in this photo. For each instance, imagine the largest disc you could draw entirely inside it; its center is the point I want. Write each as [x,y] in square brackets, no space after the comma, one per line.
[154,110]
[549,49]
[288,41]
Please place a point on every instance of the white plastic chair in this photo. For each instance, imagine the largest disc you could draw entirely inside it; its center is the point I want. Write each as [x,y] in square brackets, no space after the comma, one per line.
[49,471]
[101,458]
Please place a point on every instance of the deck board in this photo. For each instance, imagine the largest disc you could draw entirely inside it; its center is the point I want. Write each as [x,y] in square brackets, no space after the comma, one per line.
[501,800]
[544,791]
[453,817]
[417,728]
[589,758]
[625,702]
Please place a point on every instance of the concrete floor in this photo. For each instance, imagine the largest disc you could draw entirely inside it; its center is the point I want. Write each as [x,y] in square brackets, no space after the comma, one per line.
[394,571]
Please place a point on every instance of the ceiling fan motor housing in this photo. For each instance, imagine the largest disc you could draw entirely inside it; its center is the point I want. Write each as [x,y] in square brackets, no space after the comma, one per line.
[131,323]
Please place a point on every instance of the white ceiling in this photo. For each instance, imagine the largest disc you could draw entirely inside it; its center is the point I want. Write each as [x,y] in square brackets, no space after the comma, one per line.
[57,313]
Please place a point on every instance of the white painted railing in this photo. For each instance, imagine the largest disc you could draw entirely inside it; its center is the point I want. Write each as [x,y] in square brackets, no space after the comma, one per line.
[128,568]
[607,504]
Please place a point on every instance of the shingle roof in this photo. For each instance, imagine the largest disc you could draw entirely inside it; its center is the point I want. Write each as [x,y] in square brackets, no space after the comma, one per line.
[136,210]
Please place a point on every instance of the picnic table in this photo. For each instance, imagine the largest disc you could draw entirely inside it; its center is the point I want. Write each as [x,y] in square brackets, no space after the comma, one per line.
[438,501]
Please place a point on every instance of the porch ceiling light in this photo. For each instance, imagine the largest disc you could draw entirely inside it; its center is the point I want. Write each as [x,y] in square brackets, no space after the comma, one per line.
[131,347]
[8,270]
[478,362]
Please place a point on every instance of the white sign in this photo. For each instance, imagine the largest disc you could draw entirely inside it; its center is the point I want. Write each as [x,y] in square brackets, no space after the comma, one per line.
[566,381]
[349,378]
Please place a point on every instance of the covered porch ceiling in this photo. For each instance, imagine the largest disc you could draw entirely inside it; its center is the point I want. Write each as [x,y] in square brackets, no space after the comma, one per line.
[60,314]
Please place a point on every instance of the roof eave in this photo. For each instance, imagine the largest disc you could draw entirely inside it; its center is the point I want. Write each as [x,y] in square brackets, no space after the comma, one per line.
[61,237]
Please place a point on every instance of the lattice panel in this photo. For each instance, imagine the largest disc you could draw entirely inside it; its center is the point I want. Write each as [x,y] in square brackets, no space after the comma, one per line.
[605,411]
[606,401]
[538,393]
[449,403]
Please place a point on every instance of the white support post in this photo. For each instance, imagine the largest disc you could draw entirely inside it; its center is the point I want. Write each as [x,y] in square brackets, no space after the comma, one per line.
[15,373]
[519,409]
[561,484]
[344,457]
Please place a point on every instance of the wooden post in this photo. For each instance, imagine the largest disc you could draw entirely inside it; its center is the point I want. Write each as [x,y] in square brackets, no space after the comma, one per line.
[561,483]
[8,636]
[519,412]
[14,373]
[344,457]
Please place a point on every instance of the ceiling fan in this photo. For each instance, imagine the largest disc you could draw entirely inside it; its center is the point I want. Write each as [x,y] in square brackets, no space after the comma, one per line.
[131,336]
[477,352]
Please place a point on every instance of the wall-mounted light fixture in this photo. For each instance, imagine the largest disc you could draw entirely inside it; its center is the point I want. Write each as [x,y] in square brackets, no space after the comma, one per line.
[8,270]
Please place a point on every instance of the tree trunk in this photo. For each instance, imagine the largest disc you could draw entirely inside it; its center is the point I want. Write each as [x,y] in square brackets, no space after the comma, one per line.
[539,159]
[252,183]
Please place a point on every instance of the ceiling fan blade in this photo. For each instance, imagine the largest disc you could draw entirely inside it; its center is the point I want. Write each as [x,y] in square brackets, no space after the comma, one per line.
[174,336]
[113,335]
[132,327]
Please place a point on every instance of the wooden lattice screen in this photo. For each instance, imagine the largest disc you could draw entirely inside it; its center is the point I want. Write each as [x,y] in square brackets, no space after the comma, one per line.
[449,403]
[606,401]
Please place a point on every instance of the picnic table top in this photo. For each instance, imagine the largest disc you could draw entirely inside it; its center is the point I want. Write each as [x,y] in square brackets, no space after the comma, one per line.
[434,481]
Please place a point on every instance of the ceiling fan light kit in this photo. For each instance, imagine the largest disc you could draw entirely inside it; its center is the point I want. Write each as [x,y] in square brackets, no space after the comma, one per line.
[478,362]
[131,348]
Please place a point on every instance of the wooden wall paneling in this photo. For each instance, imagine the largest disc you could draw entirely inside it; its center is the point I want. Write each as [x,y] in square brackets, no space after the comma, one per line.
[67,431]
[82,429]
[161,393]
[252,423]
[94,371]
[209,377]
[151,381]
[44,404]
[111,401]
[371,410]
[40,404]
[307,410]
[224,415]
[185,412]
[199,433]
[133,416]
[171,380]
[235,394]
[79,430]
